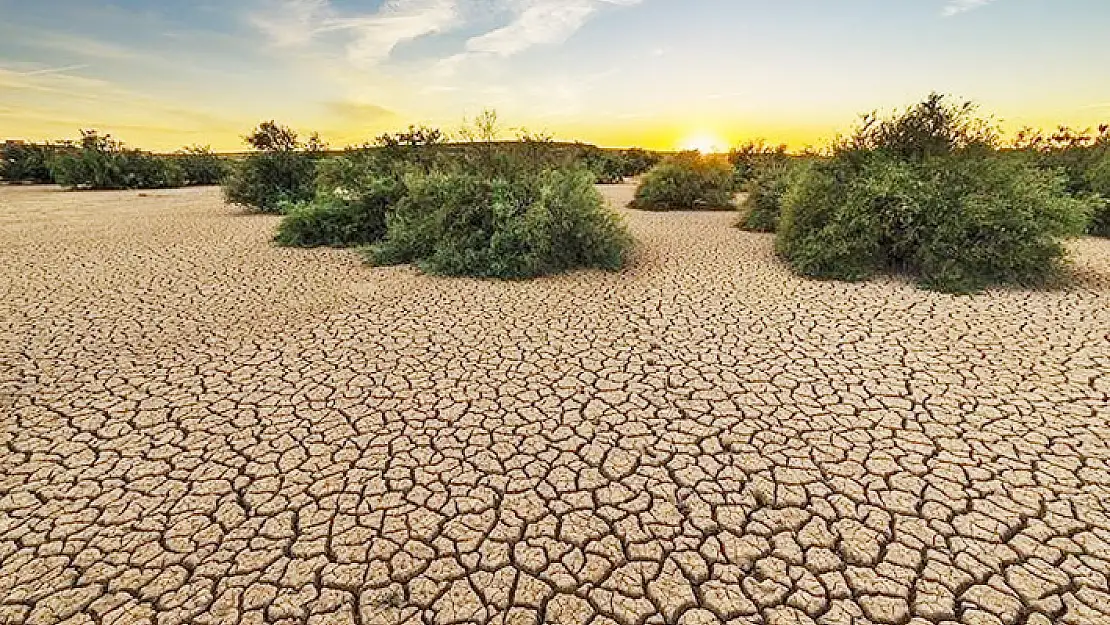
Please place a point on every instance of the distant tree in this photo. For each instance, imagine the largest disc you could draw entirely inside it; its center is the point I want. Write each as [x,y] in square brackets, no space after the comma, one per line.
[273,137]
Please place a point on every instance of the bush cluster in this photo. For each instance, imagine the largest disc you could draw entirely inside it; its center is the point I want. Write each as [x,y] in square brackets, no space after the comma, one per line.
[481,208]
[100,162]
[926,193]
[26,162]
[687,181]
[279,172]
[521,225]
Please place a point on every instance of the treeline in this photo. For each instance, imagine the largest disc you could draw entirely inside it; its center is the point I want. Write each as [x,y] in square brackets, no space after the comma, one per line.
[97,161]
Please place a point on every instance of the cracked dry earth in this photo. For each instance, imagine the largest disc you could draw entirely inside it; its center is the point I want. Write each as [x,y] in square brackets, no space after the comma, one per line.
[198,427]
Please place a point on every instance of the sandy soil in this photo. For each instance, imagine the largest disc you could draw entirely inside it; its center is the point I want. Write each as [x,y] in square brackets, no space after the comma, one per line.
[200,427]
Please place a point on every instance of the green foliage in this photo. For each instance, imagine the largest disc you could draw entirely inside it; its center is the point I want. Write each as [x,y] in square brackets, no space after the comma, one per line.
[637,161]
[280,172]
[958,222]
[101,162]
[26,162]
[688,181]
[200,166]
[355,193]
[1073,152]
[607,166]
[521,225]
[925,193]
[767,184]
[935,127]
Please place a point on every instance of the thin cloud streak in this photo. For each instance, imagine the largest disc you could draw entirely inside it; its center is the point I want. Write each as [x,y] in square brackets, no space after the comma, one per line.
[955,7]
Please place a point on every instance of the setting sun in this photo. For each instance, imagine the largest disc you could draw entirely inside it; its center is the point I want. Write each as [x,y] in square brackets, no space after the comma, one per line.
[706,143]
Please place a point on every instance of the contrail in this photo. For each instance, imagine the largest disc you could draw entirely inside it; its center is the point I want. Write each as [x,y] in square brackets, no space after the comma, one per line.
[53,70]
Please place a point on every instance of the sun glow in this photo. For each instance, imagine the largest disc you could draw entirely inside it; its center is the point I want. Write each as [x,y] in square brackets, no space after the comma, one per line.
[706,143]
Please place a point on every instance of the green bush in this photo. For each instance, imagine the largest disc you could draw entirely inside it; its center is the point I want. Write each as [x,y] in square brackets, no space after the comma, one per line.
[767,183]
[354,196]
[518,226]
[958,222]
[688,181]
[637,161]
[26,162]
[926,193]
[607,167]
[103,163]
[280,172]
[200,166]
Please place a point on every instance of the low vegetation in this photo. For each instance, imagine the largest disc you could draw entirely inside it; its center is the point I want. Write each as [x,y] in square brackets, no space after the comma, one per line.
[26,162]
[280,171]
[687,181]
[99,162]
[766,186]
[926,193]
[200,166]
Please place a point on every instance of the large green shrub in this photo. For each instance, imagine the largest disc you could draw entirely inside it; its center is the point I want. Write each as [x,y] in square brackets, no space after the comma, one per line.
[925,193]
[280,172]
[688,181]
[526,224]
[101,162]
[958,223]
[200,166]
[26,162]
[767,183]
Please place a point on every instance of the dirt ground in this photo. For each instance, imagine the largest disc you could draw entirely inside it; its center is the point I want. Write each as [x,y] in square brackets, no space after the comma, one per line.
[200,427]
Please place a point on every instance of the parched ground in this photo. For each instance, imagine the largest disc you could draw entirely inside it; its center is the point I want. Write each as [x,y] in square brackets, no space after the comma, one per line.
[198,427]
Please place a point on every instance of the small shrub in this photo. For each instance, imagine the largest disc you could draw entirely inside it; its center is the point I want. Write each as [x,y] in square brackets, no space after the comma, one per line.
[26,162]
[280,172]
[688,181]
[519,226]
[200,166]
[637,161]
[767,184]
[1098,181]
[102,163]
[750,158]
[607,167]
[354,196]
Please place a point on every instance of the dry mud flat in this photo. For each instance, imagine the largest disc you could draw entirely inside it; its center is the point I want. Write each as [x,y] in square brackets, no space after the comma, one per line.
[198,427]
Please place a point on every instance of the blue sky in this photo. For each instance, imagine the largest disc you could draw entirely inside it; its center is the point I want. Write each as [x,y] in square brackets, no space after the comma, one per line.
[659,73]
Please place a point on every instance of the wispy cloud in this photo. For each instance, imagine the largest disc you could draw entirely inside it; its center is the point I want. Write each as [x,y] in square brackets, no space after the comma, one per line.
[539,22]
[955,7]
[371,37]
[290,22]
[53,70]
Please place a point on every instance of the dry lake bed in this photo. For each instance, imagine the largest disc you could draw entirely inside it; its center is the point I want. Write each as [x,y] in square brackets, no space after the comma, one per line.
[199,427]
